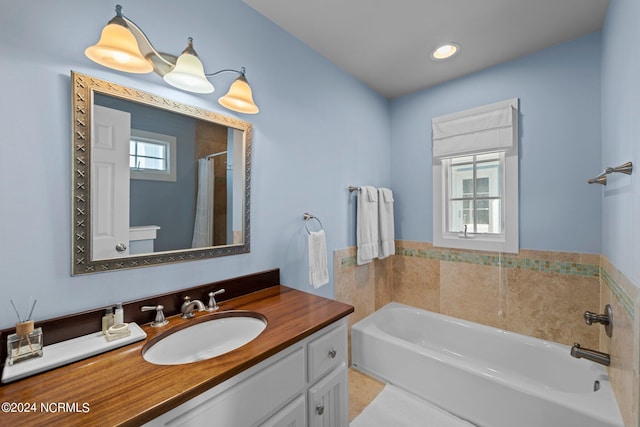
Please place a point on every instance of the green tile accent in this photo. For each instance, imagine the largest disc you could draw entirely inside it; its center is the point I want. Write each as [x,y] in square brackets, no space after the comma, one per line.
[570,268]
[348,261]
[624,298]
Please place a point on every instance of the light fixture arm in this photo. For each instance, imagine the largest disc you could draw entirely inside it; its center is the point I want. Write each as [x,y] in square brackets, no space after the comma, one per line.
[241,72]
[162,62]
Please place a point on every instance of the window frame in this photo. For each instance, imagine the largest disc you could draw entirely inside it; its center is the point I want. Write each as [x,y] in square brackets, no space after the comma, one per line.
[508,240]
[170,142]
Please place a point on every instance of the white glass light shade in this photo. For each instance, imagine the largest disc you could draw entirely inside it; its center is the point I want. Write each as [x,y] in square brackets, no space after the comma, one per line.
[188,74]
[118,49]
[239,98]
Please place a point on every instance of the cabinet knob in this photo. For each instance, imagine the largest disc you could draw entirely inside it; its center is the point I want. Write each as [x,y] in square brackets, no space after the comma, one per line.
[121,247]
[319,409]
[333,353]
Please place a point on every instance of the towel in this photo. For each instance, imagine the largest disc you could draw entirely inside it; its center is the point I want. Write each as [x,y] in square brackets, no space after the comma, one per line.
[318,271]
[385,221]
[367,225]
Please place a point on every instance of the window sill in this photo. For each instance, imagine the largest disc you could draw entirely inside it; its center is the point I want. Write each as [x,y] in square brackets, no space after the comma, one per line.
[476,243]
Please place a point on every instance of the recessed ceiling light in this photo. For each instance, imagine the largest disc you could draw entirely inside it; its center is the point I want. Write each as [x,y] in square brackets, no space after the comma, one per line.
[445,51]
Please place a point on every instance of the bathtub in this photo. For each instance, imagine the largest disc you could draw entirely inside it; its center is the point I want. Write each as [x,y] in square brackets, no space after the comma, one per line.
[487,376]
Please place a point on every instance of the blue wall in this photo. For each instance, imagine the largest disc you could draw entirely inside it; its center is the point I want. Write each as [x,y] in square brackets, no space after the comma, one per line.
[318,131]
[621,135]
[559,92]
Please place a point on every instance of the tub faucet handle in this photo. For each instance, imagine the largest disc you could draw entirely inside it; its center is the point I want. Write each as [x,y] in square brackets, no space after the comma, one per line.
[605,319]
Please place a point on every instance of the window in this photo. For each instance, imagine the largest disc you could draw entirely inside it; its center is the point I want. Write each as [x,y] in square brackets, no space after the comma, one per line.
[474,193]
[475,179]
[152,156]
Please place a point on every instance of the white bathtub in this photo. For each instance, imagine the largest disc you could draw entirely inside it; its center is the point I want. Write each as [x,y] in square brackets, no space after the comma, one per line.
[484,375]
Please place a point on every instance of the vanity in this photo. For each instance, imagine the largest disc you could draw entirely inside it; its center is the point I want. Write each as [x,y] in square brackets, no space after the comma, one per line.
[293,373]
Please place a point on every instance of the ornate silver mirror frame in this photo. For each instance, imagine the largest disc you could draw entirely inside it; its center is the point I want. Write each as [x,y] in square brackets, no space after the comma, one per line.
[83,89]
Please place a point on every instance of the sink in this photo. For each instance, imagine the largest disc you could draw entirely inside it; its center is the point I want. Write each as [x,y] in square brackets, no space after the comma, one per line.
[205,338]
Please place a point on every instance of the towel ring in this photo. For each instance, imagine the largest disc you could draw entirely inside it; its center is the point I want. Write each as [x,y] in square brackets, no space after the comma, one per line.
[307,217]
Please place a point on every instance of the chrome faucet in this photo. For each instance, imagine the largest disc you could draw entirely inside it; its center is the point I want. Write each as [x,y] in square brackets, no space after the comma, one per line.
[593,355]
[188,306]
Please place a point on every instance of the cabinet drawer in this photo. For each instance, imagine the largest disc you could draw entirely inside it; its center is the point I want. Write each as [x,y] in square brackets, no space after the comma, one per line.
[245,403]
[327,352]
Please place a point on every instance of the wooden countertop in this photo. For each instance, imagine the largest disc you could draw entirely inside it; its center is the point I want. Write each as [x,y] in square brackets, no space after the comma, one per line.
[120,388]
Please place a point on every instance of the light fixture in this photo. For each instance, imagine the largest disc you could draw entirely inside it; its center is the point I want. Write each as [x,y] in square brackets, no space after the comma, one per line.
[123,46]
[188,73]
[239,97]
[118,49]
[445,51]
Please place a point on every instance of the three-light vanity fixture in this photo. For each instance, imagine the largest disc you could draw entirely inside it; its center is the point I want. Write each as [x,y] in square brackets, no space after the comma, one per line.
[123,46]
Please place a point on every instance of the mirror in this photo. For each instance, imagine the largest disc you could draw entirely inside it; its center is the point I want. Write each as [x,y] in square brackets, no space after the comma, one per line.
[155,181]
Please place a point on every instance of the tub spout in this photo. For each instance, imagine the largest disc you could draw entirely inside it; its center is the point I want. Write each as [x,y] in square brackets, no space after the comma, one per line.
[593,355]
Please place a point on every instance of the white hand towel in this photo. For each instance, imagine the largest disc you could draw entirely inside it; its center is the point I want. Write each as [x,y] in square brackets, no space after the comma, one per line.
[385,219]
[318,271]
[367,225]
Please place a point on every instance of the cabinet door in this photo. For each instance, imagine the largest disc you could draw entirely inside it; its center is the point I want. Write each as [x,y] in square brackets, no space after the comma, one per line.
[292,415]
[328,400]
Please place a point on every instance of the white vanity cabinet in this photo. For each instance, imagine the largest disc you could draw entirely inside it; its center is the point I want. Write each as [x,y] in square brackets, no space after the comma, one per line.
[304,385]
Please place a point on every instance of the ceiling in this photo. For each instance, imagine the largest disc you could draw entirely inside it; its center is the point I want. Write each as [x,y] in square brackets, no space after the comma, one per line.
[387,43]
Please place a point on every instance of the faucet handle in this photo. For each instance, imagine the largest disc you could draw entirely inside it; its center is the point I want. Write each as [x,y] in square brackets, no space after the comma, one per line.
[213,305]
[160,320]
[605,319]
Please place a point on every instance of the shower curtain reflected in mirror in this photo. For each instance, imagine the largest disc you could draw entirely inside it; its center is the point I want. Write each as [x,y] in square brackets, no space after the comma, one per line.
[203,227]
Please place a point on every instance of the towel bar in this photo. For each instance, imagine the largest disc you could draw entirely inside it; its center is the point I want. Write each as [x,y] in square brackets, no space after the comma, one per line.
[626,168]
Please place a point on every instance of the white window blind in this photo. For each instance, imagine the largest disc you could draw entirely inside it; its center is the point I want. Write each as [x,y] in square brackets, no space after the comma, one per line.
[483,129]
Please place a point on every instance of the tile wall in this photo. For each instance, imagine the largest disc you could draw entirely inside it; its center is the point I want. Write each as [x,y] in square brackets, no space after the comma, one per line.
[622,294]
[537,293]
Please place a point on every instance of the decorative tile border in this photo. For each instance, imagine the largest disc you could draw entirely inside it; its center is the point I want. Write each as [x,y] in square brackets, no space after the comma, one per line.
[558,267]
[625,300]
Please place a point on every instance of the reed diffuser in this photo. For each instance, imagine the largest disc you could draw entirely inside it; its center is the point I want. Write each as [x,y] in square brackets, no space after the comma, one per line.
[26,343]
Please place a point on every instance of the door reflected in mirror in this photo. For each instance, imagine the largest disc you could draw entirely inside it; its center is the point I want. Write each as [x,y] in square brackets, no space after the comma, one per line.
[166,182]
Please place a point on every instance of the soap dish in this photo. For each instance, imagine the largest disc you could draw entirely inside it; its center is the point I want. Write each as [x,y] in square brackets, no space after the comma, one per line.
[65,352]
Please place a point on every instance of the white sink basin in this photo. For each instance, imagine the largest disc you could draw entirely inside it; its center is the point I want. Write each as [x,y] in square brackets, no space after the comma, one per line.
[205,339]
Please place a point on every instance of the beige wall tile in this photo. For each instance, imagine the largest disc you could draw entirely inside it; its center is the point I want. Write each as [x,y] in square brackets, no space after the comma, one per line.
[623,344]
[416,282]
[472,292]
[384,281]
[551,306]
